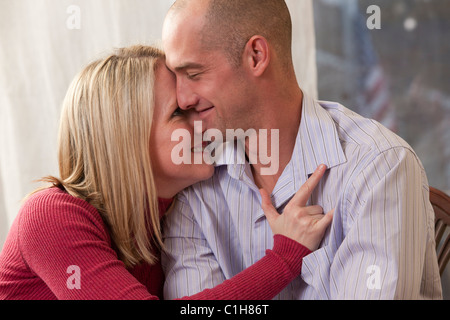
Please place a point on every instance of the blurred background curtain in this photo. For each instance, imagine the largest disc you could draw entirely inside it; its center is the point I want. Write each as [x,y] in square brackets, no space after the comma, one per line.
[44,43]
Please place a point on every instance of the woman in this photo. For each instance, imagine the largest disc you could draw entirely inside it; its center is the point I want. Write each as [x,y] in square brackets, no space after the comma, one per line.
[95,233]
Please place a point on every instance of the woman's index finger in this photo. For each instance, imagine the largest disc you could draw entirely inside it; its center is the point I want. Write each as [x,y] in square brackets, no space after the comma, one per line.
[305,191]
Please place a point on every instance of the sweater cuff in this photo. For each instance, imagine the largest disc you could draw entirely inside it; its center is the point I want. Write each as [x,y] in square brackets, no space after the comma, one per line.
[291,251]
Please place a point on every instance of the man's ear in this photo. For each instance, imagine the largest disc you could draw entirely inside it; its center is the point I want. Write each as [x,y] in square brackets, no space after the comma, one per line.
[257,55]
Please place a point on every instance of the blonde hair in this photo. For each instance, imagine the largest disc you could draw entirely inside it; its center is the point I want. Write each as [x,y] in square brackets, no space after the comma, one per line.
[104,148]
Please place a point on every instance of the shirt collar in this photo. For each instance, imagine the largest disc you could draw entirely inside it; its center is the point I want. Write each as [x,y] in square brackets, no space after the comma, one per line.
[317,141]
[233,156]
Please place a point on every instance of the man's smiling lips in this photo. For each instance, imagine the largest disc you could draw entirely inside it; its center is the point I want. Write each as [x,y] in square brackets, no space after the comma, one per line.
[203,114]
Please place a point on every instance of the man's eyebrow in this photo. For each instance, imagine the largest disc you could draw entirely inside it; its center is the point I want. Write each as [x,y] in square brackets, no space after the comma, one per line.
[188,65]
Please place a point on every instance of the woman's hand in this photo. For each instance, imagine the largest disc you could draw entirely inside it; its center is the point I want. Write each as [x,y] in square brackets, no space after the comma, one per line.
[305,225]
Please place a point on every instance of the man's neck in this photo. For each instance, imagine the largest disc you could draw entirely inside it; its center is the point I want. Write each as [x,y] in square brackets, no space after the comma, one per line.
[286,123]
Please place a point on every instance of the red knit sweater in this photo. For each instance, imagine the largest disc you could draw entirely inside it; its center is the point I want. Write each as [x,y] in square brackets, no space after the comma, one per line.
[59,248]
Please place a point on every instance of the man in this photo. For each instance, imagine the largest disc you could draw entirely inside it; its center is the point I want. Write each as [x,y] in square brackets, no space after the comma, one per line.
[233,64]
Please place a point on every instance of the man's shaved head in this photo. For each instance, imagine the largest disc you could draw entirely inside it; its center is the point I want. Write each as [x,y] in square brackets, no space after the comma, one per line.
[229,24]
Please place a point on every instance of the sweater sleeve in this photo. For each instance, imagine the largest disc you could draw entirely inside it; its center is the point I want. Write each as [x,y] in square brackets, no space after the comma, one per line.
[263,280]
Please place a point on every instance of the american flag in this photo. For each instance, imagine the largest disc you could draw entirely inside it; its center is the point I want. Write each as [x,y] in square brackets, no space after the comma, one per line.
[373,83]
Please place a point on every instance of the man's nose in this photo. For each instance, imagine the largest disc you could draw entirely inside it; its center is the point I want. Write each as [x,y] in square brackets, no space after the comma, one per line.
[187,99]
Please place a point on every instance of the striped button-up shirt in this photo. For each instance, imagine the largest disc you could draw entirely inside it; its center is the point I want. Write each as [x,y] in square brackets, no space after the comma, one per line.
[380,244]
